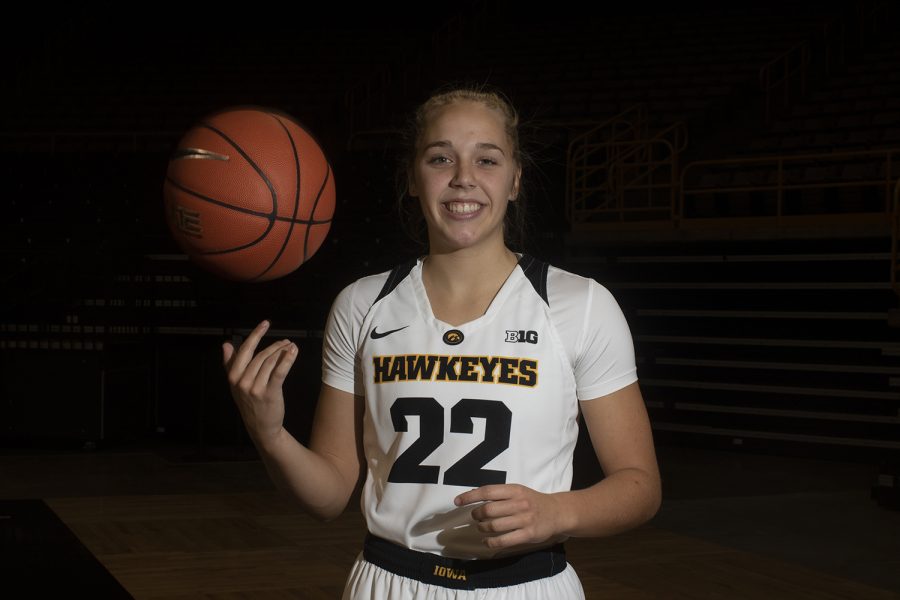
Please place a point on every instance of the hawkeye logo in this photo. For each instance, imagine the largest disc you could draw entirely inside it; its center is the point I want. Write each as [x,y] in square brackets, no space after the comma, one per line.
[453,337]
[439,367]
[529,337]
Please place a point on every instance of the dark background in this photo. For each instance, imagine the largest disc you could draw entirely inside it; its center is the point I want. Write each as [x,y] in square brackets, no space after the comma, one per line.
[112,338]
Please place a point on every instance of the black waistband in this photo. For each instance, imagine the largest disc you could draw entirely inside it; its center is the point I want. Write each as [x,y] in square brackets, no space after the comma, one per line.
[464,574]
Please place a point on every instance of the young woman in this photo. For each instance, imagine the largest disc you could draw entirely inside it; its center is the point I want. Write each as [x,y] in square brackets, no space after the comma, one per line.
[453,385]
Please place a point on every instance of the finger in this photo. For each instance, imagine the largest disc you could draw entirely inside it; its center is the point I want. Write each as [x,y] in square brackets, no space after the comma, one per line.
[501,525]
[264,376]
[245,352]
[498,508]
[227,354]
[484,493]
[284,364]
[251,371]
[507,540]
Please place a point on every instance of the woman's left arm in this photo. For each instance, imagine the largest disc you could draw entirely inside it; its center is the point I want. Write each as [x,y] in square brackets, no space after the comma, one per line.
[629,495]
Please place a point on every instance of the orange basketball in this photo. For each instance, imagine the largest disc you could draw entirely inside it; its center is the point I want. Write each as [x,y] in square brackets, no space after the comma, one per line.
[249,194]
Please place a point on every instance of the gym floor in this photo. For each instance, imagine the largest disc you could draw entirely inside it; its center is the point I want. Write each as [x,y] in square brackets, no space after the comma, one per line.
[170,522]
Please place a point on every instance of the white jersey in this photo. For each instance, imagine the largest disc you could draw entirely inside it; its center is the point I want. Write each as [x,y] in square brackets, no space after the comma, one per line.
[451,408]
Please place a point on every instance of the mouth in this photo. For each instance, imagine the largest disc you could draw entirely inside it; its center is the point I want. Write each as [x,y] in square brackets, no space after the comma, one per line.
[462,207]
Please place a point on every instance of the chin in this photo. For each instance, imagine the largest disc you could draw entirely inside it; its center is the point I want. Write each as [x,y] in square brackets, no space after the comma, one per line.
[463,238]
[461,242]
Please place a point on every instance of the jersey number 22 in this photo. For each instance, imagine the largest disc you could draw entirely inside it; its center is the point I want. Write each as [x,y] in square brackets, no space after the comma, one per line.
[468,470]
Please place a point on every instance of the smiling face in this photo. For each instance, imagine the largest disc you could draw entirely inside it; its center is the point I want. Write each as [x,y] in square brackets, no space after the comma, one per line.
[464,173]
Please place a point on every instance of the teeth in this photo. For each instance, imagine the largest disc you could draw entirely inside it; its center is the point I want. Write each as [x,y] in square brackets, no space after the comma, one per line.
[463,207]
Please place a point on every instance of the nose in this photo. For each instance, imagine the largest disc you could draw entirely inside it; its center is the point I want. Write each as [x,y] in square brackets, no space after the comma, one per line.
[463,176]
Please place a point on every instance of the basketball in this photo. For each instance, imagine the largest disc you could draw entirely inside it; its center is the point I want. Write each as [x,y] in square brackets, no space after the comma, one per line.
[249,194]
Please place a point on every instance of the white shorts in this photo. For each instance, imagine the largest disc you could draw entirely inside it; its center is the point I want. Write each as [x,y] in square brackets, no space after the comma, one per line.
[368,581]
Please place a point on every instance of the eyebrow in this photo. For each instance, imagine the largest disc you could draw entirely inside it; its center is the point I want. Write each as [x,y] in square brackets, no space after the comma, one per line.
[480,146]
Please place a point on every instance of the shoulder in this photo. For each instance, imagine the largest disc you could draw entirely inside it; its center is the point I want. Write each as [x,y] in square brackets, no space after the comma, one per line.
[562,282]
[569,291]
[358,297]
[362,292]
[594,331]
[353,302]
[347,313]
[553,284]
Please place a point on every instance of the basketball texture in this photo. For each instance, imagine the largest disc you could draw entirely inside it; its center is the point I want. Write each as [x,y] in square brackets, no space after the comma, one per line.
[249,194]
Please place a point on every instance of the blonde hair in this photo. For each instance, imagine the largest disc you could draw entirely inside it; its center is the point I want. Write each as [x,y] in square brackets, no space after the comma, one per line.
[493,100]
[411,218]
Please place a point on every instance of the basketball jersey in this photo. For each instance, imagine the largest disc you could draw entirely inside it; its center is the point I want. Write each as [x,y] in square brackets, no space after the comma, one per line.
[451,408]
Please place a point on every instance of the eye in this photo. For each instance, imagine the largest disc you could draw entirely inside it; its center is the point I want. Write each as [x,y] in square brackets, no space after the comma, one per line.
[488,161]
[437,159]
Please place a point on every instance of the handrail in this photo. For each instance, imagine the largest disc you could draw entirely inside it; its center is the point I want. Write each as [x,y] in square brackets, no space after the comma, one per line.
[631,171]
[638,109]
[871,18]
[681,135]
[622,147]
[779,161]
[789,74]
[618,168]
[578,153]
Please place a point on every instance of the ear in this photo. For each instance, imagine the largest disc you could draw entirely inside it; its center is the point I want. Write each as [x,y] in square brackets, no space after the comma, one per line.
[411,184]
[514,191]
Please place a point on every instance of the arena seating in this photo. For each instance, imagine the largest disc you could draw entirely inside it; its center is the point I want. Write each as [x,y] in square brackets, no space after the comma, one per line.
[759,300]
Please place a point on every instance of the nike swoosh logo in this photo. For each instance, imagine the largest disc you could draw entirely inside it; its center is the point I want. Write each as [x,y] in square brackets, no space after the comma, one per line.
[375,335]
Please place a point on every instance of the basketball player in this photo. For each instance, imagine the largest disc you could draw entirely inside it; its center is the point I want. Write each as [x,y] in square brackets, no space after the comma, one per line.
[453,385]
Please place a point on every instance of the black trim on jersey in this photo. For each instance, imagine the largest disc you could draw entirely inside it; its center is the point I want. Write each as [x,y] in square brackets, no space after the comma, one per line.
[397,275]
[536,272]
[464,574]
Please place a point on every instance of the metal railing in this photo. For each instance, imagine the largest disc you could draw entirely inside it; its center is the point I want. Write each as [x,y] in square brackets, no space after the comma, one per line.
[783,79]
[616,171]
[589,152]
[782,173]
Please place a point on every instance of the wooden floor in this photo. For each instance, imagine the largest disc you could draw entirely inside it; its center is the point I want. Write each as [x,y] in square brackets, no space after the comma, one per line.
[175,529]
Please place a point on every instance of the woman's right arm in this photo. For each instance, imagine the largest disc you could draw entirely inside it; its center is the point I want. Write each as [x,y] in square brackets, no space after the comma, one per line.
[322,477]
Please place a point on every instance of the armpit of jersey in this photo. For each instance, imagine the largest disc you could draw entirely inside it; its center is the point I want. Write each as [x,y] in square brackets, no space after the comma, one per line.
[595,333]
[339,360]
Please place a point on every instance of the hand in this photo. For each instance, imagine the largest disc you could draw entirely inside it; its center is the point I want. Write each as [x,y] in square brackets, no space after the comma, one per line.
[256,382]
[513,515]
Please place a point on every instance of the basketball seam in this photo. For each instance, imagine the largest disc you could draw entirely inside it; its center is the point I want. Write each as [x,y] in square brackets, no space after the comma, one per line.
[287,238]
[248,211]
[271,216]
[315,205]
[214,201]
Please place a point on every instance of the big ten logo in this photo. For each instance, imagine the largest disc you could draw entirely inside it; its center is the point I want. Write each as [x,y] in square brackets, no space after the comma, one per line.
[528,337]
[186,220]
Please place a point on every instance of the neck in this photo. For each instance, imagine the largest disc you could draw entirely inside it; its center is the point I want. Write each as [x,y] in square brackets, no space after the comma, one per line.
[462,284]
[469,268]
